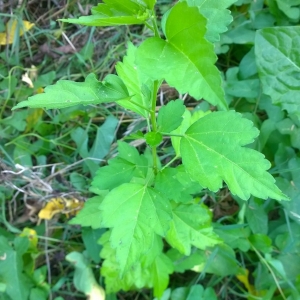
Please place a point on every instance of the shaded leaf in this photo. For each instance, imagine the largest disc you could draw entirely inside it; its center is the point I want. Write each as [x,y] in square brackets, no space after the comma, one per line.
[277,52]
[84,279]
[212,152]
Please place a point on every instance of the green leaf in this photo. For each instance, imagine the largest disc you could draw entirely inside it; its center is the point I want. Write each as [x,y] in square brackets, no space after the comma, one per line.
[84,279]
[261,242]
[135,213]
[277,54]
[122,169]
[90,238]
[218,17]
[212,151]
[289,9]
[67,93]
[176,184]
[234,236]
[18,285]
[195,292]
[151,270]
[113,13]
[184,64]
[161,269]
[153,139]
[138,84]
[219,260]
[191,226]
[104,138]
[90,214]
[257,216]
[170,116]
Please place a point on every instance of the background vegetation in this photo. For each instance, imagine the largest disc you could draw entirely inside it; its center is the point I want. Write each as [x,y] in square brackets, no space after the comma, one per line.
[49,156]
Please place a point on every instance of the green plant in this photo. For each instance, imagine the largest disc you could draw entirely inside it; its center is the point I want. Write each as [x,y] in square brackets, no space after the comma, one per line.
[149,205]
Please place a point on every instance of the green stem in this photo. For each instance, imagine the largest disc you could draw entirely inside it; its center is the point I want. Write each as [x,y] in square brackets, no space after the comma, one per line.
[153,123]
[154,24]
[170,162]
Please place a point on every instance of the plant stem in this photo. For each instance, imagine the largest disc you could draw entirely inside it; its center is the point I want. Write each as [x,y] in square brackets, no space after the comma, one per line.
[154,24]
[153,123]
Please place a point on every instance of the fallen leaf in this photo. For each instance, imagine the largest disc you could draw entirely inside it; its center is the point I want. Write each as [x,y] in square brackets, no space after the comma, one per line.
[8,37]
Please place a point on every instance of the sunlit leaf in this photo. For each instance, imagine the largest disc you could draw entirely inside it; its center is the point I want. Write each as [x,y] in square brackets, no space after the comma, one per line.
[184,64]
[212,151]
[67,93]
[136,213]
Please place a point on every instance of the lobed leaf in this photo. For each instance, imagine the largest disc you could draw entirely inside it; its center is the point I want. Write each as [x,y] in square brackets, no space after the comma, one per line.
[184,64]
[136,213]
[277,52]
[67,93]
[189,227]
[217,15]
[170,116]
[212,151]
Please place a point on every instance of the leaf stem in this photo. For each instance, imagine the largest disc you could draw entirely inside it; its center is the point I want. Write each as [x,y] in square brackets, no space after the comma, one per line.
[154,23]
[153,122]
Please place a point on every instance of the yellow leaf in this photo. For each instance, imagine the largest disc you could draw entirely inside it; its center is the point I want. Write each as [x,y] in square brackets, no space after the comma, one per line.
[54,206]
[11,31]
[33,117]
[60,205]
[243,277]
[32,237]
[97,293]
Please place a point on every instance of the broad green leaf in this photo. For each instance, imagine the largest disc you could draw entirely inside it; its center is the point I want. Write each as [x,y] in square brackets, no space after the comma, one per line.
[289,9]
[190,226]
[170,116]
[104,138]
[137,83]
[18,285]
[257,216]
[218,17]
[195,292]
[212,151]
[84,279]
[176,184]
[184,64]
[90,238]
[277,52]
[90,215]
[113,13]
[135,213]
[235,236]
[261,242]
[151,270]
[67,93]
[219,260]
